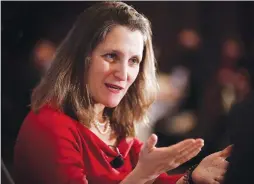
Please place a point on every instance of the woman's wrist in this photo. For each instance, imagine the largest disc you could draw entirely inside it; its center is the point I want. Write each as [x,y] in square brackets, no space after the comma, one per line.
[135,176]
[181,180]
[187,178]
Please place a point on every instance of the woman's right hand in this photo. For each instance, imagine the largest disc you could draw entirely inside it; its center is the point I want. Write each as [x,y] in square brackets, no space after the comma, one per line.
[155,161]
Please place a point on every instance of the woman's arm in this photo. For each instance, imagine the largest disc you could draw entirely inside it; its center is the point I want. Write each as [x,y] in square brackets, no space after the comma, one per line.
[48,152]
[135,177]
[180,181]
[152,161]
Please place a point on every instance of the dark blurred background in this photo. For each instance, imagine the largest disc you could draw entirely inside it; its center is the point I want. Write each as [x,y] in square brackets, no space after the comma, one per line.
[201,48]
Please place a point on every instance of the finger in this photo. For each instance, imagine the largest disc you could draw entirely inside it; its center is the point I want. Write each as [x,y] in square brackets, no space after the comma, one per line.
[150,143]
[223,172]
[224,165]
[201,141]
[215,182]
[182,145]
[226,152]
[191,148]
[219,179]
[189,153]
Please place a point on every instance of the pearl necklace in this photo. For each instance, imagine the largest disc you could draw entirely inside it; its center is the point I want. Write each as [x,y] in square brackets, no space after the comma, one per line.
[105,127]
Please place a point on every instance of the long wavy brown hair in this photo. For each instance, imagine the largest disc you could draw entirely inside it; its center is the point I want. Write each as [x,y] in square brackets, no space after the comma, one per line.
[65,83]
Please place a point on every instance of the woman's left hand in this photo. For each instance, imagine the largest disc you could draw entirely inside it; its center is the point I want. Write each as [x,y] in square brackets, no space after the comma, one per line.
[212,168]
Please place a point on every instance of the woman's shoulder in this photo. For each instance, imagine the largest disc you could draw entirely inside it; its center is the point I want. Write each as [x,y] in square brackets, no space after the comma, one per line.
[48,118]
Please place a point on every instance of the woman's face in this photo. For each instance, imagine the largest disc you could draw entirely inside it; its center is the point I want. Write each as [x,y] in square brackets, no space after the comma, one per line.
[115,65]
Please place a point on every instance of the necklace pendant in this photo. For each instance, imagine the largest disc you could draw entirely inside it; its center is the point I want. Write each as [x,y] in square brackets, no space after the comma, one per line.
[106,127]
[117,162]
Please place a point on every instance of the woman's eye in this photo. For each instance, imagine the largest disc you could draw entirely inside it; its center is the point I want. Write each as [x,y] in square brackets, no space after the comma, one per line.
[134,61]
[110,56]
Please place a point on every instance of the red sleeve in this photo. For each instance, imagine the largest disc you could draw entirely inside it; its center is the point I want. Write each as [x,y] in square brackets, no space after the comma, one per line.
[48,152]
[163,178]
[168,179]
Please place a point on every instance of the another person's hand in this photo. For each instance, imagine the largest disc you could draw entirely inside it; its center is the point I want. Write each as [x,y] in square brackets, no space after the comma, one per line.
[155,161]
[212,168]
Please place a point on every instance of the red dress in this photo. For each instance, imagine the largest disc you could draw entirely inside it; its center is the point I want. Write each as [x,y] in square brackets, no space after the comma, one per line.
[53,148]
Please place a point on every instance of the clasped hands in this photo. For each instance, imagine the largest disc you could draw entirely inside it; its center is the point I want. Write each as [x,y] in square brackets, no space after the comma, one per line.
[155,161]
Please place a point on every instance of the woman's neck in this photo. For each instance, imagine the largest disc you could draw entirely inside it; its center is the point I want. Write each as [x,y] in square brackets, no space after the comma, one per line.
[110,137]
[98,109]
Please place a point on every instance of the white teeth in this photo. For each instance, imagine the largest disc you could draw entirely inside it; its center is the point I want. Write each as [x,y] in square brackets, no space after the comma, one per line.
[113,87]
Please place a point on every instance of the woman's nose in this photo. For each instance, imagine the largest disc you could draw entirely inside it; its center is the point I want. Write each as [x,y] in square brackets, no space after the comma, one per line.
[121,71]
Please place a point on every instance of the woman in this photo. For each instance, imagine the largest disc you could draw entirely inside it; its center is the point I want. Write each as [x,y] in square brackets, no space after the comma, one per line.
[81,126]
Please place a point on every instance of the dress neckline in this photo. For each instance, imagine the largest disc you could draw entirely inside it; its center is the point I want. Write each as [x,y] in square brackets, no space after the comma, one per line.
[124,144]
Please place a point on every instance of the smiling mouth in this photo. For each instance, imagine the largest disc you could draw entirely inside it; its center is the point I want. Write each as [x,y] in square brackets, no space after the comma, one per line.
[113,88]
